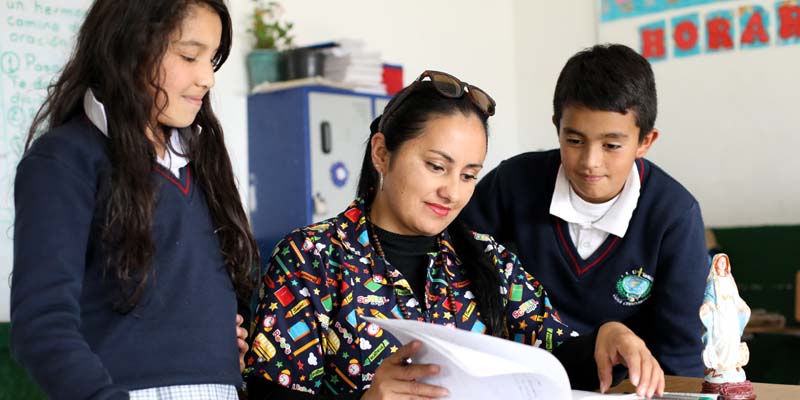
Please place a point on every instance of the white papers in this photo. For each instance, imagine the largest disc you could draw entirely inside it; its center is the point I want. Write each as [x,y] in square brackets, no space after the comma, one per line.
[581,395]
[475,366]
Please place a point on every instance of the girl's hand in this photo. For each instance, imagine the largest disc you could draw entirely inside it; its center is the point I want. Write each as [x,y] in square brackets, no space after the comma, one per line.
[396,379]
[616,344]
[241,338]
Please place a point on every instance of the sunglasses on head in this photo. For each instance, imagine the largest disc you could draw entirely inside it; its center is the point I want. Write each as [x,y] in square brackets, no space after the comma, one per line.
[448,86]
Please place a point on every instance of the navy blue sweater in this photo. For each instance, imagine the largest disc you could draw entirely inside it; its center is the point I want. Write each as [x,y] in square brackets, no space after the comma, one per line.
[652,279]
[63,329]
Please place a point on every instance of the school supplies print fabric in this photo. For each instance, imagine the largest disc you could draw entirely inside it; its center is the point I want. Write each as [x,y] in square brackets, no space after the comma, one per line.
[308,335]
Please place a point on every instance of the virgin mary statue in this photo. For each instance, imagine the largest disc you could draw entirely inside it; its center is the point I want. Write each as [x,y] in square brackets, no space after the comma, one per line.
[724,315]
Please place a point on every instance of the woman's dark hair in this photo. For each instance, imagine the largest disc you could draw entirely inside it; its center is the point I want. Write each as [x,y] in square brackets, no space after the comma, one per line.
[609,77]
[408,120]
[118,55]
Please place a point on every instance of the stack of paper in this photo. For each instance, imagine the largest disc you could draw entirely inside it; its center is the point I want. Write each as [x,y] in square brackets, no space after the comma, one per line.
[479,367]
[352,64]
[475,366]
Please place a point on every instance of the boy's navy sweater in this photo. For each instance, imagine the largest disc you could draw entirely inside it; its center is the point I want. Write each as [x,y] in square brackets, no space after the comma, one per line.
[63,328]
[664,243]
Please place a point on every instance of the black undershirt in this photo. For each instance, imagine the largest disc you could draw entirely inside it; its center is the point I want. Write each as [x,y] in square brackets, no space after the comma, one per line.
[409,255]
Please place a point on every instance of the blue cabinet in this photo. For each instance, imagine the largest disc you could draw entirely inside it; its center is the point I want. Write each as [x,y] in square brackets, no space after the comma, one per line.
[305,146]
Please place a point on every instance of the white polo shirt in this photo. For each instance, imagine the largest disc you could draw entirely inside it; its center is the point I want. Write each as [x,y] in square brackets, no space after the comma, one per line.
[590,223]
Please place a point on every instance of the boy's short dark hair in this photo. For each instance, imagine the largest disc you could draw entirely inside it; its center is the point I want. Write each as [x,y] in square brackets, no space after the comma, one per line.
[608,77]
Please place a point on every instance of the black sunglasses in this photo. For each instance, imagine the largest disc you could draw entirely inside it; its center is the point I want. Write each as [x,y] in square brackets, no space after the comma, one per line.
[448,86]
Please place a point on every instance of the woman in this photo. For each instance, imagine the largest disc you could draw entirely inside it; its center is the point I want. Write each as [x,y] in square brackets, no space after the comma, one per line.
[398,252]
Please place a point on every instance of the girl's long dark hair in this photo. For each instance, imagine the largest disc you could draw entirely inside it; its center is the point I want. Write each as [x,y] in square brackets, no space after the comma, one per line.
[408,121]
[118,55]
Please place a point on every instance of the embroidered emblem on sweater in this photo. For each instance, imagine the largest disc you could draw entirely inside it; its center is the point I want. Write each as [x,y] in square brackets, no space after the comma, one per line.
[633,287]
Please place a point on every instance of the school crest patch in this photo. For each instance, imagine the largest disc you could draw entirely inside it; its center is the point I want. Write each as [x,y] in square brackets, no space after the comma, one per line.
[633,287]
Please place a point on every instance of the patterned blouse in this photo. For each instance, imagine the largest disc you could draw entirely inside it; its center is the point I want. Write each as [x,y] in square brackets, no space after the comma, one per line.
[308,335]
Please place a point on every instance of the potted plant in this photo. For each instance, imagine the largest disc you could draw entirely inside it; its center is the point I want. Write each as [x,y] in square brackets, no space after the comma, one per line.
[271,36]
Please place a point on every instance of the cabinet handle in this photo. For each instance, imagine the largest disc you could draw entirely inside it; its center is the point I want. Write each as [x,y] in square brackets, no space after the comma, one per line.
[325,131]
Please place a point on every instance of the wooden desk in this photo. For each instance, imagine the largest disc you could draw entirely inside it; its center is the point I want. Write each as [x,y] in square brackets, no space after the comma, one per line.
[764,391]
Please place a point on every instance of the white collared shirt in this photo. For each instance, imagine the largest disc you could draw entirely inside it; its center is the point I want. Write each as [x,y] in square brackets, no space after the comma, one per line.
[589,223]
[172,160]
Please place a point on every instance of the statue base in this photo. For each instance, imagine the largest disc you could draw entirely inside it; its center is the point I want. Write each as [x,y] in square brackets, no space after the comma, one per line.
[731,391]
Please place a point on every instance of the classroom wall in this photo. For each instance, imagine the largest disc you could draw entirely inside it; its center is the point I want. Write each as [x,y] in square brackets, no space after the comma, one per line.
[514,52]
[728,119]
[546,36]
[514,49]
[473,40]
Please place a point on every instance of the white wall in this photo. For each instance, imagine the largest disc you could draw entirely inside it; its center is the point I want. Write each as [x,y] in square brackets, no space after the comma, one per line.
[472,39]
[546,35]
[729,122]
[514,49]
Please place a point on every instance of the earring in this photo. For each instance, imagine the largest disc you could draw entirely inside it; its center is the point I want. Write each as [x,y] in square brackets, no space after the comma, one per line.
[380,181]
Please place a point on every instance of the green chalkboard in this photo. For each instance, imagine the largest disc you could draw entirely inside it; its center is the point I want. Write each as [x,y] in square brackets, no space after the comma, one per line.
[763,266]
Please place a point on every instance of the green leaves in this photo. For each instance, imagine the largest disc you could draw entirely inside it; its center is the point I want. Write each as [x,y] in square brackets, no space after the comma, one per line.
[268,30]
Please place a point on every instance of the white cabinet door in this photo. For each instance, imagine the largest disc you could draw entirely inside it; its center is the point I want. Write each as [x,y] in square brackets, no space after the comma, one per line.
[339,129]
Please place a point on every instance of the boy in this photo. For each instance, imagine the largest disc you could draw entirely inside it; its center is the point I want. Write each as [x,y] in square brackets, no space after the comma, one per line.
[609,234]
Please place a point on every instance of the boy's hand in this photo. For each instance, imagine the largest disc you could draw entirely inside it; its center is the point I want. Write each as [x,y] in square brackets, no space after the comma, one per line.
[616,344]
[241,338]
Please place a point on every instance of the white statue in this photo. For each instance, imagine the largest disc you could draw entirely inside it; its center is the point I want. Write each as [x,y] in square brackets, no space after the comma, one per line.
[724,315]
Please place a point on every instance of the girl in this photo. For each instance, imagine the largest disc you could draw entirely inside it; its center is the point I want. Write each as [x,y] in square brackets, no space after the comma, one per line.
[131,245]
[398,252]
